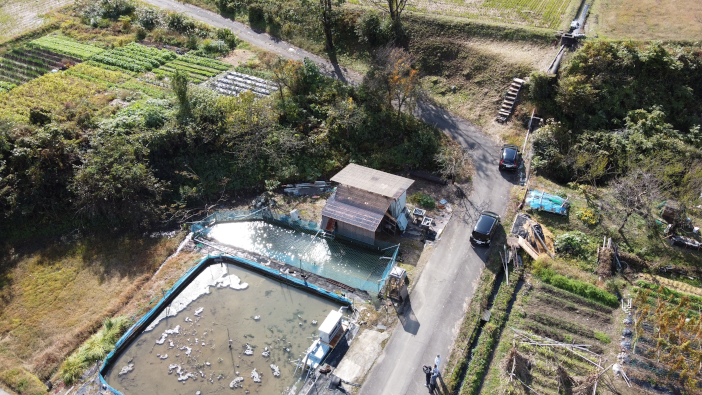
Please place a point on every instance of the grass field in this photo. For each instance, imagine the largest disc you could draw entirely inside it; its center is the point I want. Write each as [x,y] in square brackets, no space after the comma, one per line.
[20,16]
[52,298]
[551,14]
[646,20]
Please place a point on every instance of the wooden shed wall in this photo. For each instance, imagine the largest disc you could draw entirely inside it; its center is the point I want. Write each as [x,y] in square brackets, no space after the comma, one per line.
[355,233]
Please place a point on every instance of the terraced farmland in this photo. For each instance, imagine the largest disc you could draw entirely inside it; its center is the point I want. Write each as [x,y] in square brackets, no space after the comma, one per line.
[233,83]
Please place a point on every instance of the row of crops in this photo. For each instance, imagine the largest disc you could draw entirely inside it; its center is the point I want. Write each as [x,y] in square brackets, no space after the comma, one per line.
[543,13]
[21,65]
[197,68]
[66,46]
[92,63]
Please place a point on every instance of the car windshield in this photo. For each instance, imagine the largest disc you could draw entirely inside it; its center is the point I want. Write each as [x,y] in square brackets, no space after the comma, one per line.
[509,154]
[484,224]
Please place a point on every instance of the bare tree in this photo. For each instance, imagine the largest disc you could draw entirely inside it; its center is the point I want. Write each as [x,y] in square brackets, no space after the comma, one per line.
[393,76]
[637,191]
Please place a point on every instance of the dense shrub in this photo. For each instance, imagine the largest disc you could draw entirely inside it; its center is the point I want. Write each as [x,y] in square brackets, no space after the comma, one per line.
[374,29]
[423,200]
[571,243]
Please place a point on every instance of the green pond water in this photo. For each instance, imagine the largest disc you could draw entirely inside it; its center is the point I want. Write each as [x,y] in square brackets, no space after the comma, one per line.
[347,263]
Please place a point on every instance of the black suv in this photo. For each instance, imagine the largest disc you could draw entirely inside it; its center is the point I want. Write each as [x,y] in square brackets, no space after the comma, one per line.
[485,228]
[509,157]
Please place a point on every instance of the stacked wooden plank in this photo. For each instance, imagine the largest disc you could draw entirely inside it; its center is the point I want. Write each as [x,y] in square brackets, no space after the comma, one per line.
[509,100]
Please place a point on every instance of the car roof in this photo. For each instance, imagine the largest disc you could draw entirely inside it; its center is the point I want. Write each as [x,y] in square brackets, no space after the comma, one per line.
[490,214]
[512,146]
[485,224]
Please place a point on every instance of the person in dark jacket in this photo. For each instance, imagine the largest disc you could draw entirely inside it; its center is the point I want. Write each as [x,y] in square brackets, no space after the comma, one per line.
[427,372]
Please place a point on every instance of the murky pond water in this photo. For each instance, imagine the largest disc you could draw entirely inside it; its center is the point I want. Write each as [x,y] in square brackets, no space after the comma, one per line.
[186,349]
[349,264]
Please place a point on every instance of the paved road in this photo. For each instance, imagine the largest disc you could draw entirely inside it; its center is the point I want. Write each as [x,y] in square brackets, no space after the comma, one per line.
[447,283]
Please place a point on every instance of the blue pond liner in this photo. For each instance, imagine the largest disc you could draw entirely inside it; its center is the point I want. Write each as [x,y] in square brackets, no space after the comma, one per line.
[136,329]
[538,200]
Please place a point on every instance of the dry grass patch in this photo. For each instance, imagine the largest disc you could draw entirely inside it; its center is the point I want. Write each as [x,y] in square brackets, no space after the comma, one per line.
[646,20]
[481,72]
[20,16]
[55,297]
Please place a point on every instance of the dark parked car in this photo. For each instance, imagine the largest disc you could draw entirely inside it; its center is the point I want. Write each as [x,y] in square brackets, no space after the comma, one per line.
[485,228]
[509,157]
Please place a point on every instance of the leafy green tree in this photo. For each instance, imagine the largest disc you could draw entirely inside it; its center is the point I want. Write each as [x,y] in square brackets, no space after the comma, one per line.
[179,84]
[115,182]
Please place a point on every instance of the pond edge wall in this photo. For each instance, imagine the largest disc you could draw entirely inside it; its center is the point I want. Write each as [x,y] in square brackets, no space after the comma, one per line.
[135,330]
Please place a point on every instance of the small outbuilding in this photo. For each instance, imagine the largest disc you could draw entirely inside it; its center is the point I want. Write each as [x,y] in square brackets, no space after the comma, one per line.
[365,202]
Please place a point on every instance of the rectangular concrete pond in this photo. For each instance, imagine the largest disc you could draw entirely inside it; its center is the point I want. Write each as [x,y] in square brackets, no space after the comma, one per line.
[186,349]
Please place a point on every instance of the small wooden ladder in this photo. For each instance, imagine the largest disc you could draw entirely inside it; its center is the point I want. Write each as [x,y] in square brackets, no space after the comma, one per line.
[510,99]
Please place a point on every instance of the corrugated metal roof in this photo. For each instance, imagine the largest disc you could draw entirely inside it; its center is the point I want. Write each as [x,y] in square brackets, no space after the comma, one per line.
[371,180]
[356,207]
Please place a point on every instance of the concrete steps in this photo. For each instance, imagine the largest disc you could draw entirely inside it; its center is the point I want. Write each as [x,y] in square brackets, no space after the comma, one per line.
[510,99]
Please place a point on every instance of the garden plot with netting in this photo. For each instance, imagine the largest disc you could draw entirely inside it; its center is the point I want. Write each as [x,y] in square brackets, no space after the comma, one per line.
[233,83]
[197,68]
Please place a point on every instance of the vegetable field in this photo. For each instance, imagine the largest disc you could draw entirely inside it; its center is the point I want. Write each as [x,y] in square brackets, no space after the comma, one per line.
[66,46]
[197,68]
[21,65]
[543,318]
[135,57]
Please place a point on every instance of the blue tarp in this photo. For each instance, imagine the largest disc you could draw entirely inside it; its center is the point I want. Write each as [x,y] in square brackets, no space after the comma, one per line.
[543,201]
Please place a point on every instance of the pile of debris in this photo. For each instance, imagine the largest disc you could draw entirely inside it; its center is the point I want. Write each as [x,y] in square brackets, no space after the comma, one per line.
[533,238]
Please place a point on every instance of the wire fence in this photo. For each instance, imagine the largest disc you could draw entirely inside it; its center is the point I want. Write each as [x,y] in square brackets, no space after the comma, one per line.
[304,245]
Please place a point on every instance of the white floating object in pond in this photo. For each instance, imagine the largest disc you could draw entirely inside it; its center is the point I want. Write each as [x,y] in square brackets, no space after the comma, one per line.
[164,356]
[231,281]
[207,363]
[237,373]
[287,349]
[170,344]
[173,331]
[249,350]
[199,311]
[198,393]
[266,354]
[314,322]
[256,318]
[184,377]
[126,369]
[255,376]
[188,350]
[203,344]
[201,374]
[196,341]
[299,323]
[235,383]
[187,319]
[276,370]
[162,339]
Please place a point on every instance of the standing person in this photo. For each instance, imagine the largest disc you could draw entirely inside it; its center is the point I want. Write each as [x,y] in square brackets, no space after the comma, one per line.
[437,363]
[434,375]
[427,373]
